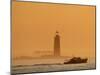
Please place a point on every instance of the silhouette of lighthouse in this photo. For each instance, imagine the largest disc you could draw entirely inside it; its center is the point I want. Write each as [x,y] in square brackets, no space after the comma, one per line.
[57,44]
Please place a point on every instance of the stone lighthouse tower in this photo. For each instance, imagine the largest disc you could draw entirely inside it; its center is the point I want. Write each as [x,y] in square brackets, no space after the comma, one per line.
[57,44]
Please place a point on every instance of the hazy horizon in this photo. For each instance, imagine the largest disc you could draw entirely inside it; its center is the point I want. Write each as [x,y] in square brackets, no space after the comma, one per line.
[34,26]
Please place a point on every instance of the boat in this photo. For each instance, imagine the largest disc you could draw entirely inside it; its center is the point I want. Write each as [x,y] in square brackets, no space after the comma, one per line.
[76,60]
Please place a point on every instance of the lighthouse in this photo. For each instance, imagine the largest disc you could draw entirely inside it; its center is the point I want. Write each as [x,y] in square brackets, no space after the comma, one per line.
[57,44]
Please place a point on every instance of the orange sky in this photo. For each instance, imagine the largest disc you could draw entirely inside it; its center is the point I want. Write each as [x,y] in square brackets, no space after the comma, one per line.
[34,26]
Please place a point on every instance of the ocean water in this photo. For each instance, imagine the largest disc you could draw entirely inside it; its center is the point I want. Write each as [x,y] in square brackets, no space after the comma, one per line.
[48,65]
